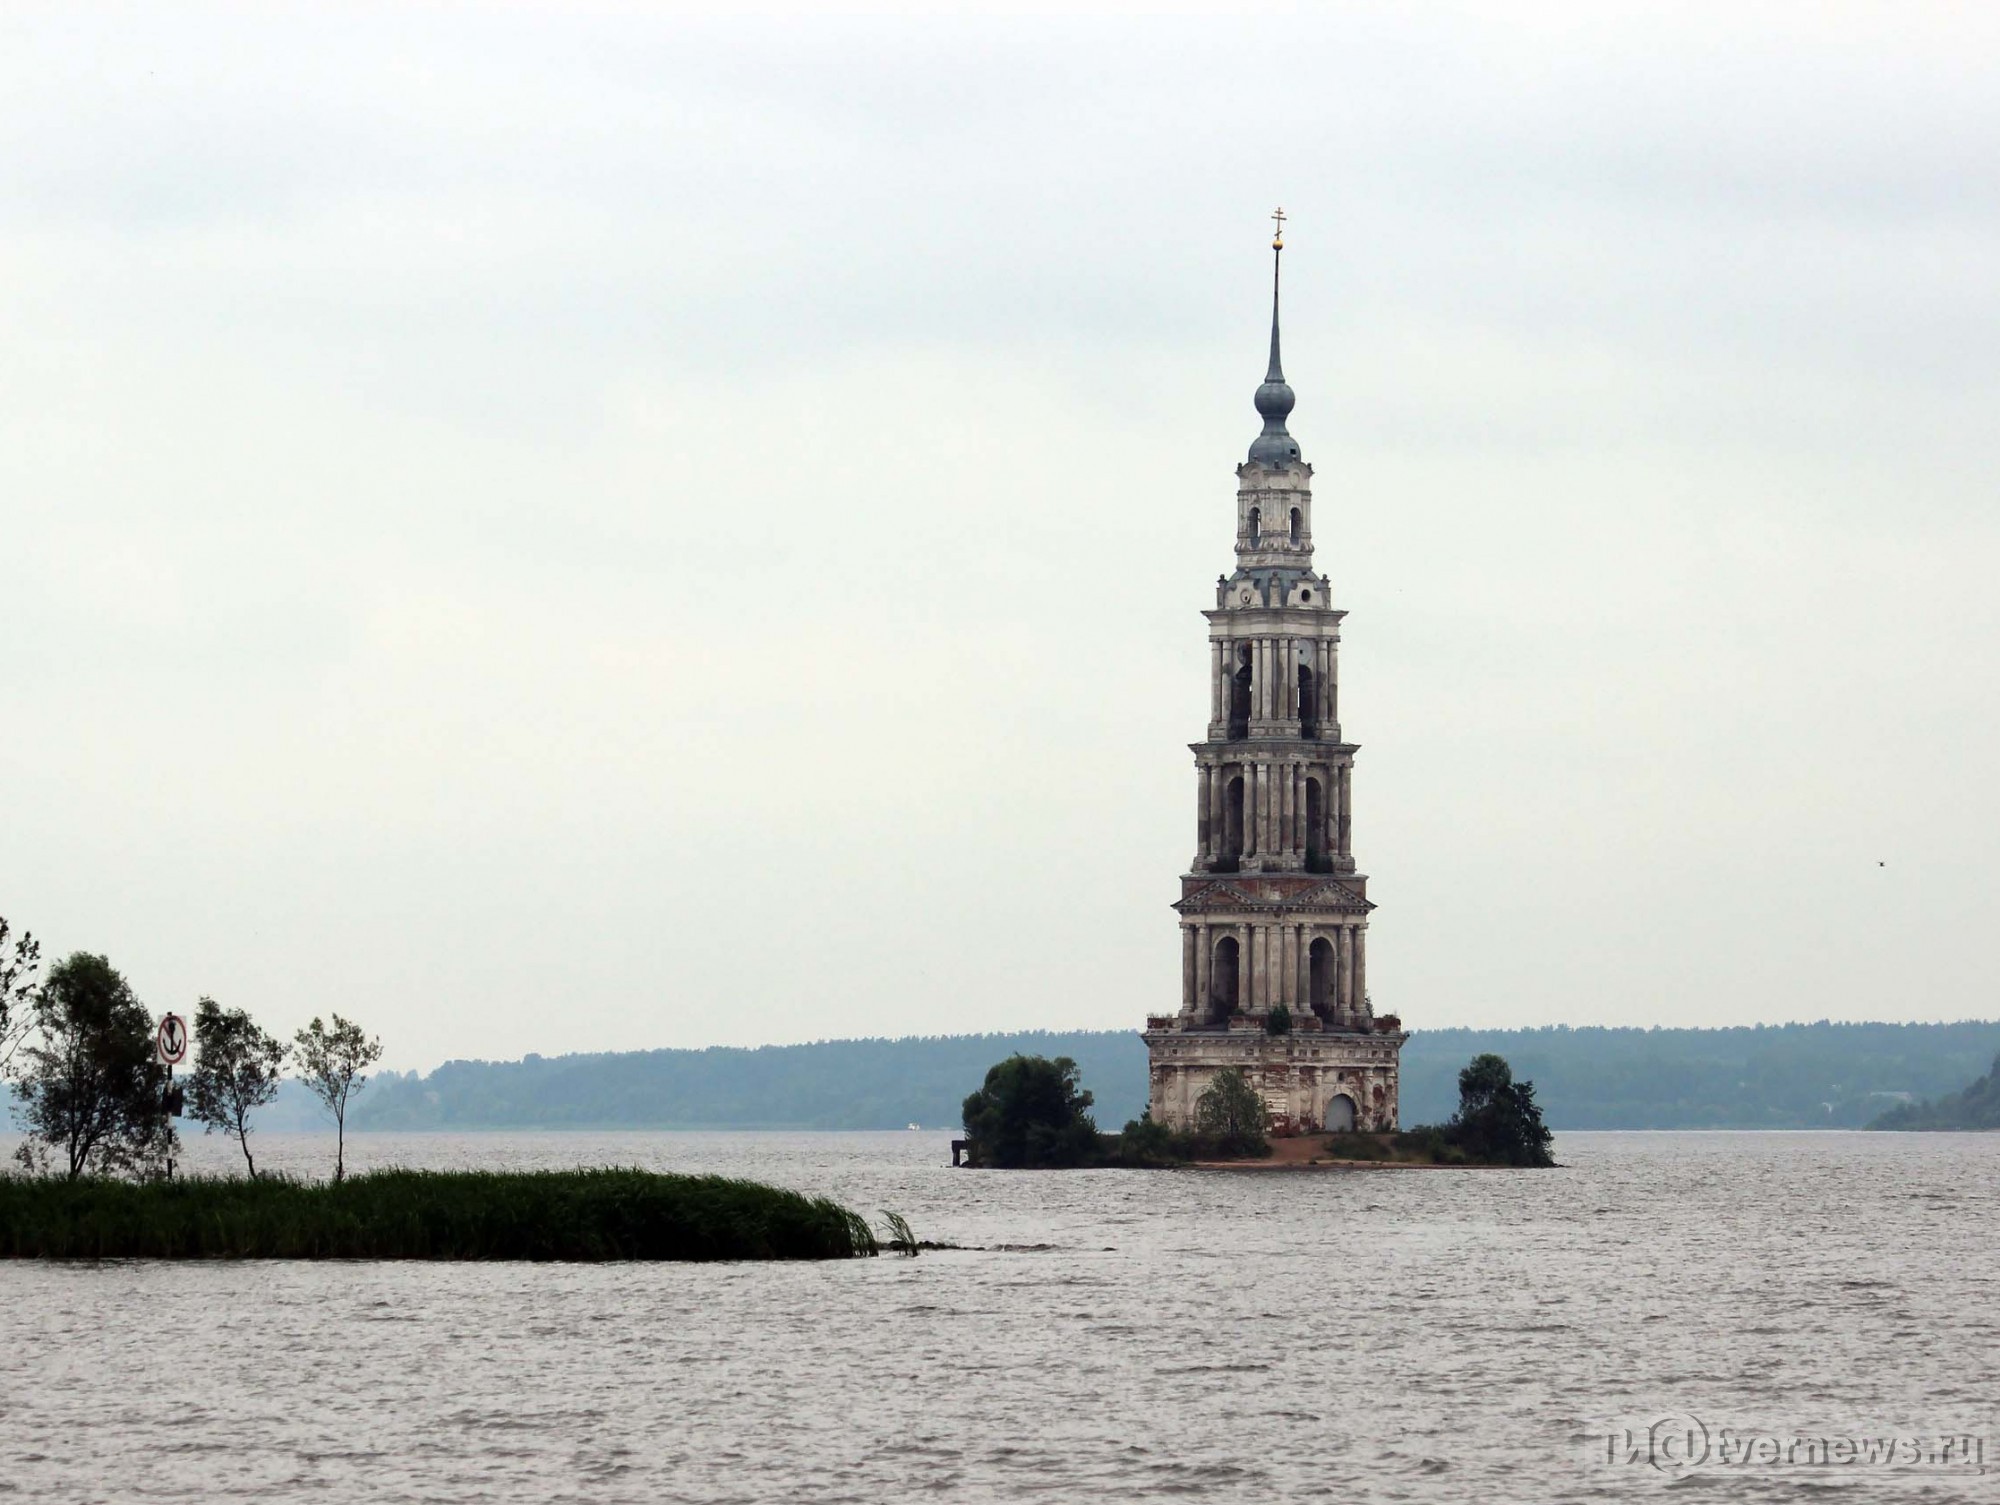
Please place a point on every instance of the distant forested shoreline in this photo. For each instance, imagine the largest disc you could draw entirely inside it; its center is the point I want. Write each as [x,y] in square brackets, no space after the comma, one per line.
[1975,1107]
[1789,1076]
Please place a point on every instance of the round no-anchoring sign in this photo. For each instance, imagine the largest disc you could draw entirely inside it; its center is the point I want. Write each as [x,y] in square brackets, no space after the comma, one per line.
[173,1040]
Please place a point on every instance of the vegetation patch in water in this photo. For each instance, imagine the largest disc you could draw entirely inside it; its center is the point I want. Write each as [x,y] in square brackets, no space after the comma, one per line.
[412,1214]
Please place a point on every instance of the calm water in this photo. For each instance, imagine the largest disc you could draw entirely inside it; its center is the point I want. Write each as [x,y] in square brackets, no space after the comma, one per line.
[1207,1335]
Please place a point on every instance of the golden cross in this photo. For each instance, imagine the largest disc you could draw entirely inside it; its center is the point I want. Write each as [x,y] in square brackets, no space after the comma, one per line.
[1278,228]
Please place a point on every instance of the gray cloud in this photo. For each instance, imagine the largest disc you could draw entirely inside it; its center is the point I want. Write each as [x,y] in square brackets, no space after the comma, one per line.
[555,529]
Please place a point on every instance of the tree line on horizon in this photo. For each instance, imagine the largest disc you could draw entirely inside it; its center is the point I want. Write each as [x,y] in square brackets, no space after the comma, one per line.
[79,1052]
[1832,1075]
[1821,1075]
[1976,1107]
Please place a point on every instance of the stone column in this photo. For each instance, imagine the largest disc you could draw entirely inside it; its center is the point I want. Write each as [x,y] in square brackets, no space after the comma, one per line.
[1218,699]
[1204,838]
[1345,833]
[1204,953]
[1344,973]
[1361,1010]
[1217,815]
[1291,964]
[1187,971]
[1245,957]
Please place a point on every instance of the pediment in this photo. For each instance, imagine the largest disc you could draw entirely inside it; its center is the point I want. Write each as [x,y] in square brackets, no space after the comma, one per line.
[1334,895]
[1218,895]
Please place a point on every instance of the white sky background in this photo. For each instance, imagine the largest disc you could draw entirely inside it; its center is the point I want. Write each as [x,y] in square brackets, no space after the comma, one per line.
[547,529]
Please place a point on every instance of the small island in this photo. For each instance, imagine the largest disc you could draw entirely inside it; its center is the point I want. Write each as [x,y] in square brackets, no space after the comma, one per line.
[581,1215]
[95,1093]
[1032,1113]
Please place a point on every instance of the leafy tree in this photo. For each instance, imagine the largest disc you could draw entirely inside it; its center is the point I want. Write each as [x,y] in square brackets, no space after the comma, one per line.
[1147,1142]
[236,1069]
[1031,1112]
[1231,1110]
[17,989]
[1278,1021]
[330,1064]
[1497,1119]
[93,1091]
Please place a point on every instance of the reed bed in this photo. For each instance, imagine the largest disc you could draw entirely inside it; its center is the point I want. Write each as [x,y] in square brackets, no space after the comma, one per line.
[413,1214]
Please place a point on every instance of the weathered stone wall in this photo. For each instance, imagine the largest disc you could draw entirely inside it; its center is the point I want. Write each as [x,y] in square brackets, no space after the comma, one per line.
[1297,1075]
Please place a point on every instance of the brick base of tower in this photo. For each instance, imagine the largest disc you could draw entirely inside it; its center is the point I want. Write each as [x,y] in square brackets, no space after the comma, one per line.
[1302,1077]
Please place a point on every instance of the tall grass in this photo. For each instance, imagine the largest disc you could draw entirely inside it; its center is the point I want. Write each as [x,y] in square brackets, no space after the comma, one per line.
[407,1214]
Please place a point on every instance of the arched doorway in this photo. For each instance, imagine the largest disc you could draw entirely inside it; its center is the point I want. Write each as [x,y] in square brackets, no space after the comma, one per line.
[1320,964]
[1308,703]
[1339,1113]
[1232,825]
[1222,979]
[1316,829]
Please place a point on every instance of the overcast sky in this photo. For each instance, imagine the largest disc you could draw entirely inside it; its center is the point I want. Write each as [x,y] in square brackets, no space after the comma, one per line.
[565,529]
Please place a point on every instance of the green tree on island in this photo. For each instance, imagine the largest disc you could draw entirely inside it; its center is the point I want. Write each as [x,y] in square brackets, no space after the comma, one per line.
[1230,1111]
[237,1068]
[1031,1112]
[93,1093]
[1497,1119]
[330,1064]
[17,990]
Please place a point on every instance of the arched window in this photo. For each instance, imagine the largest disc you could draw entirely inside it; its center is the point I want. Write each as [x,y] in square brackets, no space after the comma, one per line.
[1316,828]
[1308,702]
[1321,983]
[1239,695]
[1256,525]
[1222,989]
[1298,528]
[1232,824]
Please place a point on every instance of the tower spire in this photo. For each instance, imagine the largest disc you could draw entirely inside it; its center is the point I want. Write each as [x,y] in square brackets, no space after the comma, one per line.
[1275,447]
[1276,372]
